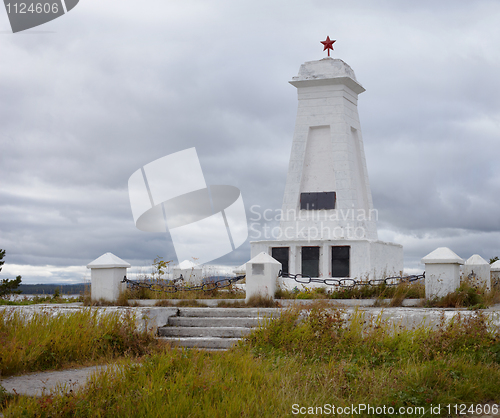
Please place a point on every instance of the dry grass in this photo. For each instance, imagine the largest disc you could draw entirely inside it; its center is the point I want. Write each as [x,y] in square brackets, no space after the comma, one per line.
[467,296]
[230,292]
[259,301]
[402,291]
[191,303]
[43,340]
[233,304]
[38,299]
[256,301]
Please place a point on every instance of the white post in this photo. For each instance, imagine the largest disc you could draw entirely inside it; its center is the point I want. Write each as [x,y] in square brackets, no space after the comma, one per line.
[106,275]
[241,270]
[262,275]
[478,271]
[495,273]
[191,272]
[442,272]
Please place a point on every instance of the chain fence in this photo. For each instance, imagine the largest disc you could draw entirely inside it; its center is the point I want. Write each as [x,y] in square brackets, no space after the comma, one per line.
[349,283]
[173,286]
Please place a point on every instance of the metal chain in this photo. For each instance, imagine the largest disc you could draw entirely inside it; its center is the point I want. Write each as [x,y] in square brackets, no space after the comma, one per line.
[173,288]
[299,278]
[388,281]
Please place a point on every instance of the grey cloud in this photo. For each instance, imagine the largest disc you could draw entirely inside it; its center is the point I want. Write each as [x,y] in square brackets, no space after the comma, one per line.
[109,92]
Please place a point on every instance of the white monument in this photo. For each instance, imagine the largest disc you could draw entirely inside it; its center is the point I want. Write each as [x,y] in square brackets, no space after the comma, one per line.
[328,223]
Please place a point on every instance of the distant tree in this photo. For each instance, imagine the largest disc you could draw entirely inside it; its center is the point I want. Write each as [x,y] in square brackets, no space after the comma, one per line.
[492,260]
[8,287]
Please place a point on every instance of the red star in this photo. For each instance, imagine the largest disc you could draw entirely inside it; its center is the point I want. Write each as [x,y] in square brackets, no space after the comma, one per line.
[328,43]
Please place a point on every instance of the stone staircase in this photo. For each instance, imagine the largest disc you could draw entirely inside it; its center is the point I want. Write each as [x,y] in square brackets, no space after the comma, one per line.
[213,328]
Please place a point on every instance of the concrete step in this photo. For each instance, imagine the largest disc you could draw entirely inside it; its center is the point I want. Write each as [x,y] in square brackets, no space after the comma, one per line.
[178,321]
[229,312]
[213,328]
[219,332]
[200,342]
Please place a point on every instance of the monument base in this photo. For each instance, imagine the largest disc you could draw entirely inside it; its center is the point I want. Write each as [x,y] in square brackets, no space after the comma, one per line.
[353,259]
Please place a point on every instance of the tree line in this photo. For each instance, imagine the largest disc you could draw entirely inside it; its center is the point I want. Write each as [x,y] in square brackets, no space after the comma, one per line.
[14,286]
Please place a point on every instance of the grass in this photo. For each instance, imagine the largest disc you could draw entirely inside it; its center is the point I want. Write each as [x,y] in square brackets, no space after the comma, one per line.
[42,341]
[123,300]
[327,358]
[39,299]
[253,302]
[382,291]
[229,292]
[185,303]
[467,296]
[335,335]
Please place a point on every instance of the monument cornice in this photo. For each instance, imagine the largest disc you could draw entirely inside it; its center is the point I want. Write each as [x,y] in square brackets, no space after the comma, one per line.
[320,82]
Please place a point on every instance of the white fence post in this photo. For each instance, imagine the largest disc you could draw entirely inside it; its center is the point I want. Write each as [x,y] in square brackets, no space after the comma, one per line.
[495,273]
[478,270]
[106,275]
[262,276]
[191,272]
[442,272]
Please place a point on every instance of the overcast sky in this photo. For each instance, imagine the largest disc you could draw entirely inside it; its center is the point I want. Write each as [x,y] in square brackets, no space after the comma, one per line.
[89,98]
